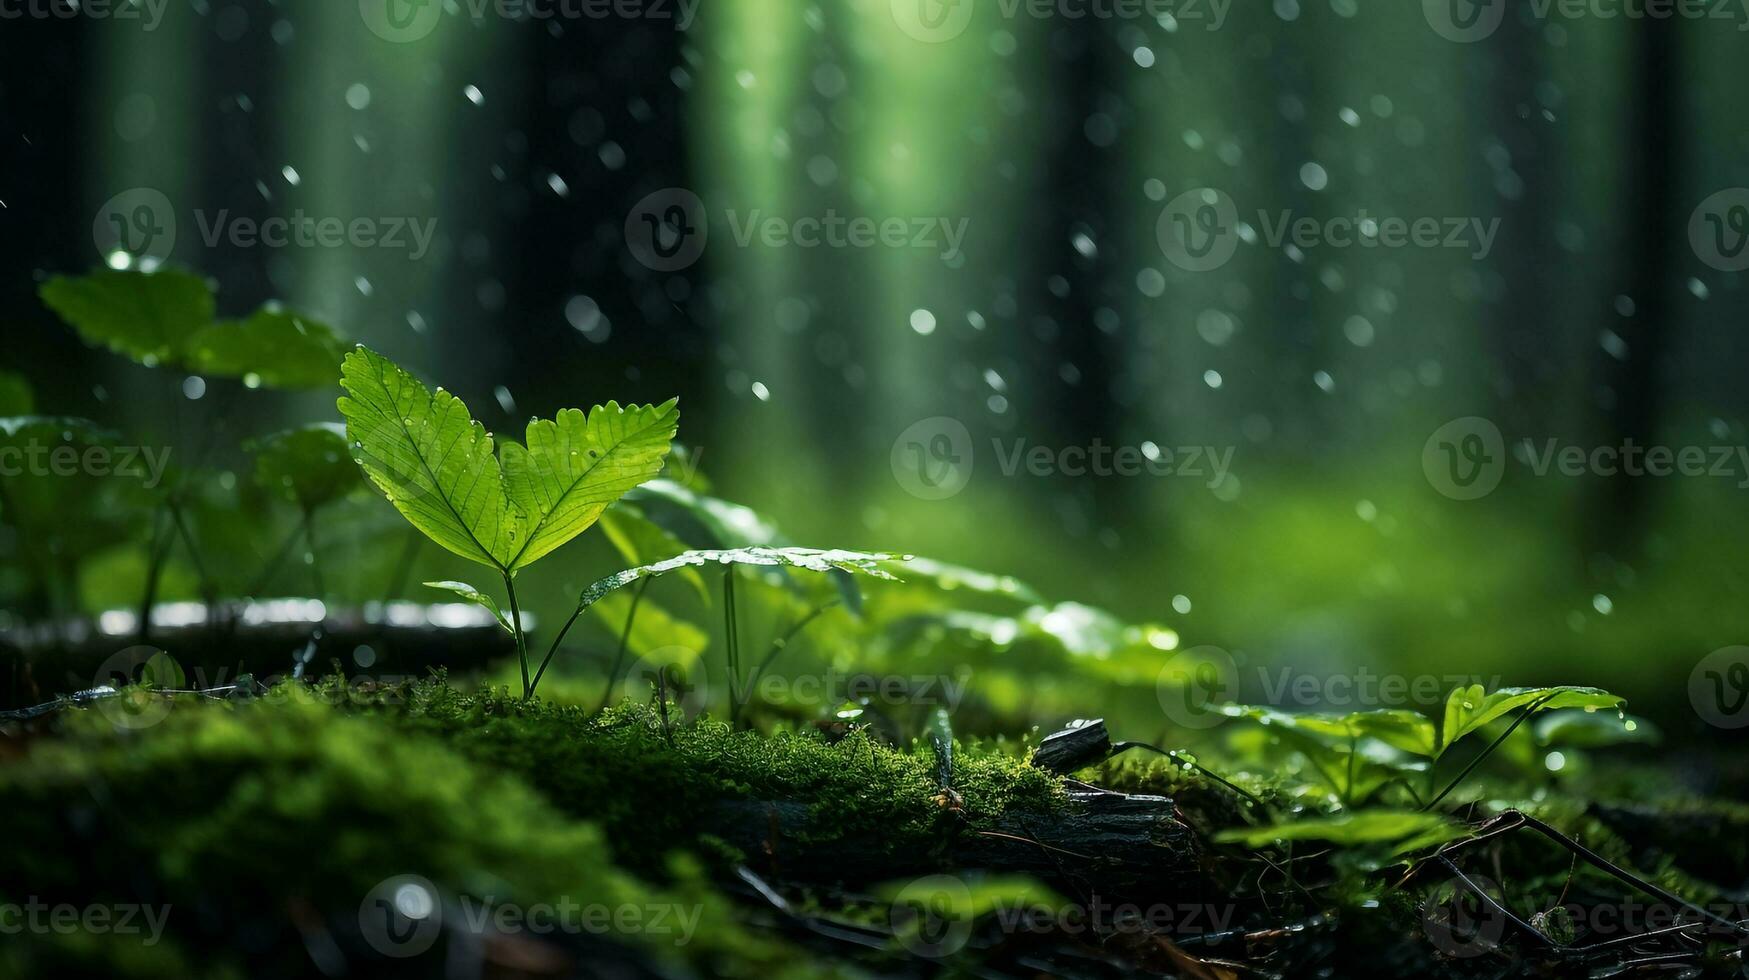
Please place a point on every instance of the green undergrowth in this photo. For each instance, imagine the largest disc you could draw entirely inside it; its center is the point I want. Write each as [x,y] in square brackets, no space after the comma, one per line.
[220,805]
[653,786]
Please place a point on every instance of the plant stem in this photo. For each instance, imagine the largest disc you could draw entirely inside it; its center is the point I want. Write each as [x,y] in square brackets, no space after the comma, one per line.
[404,570]
[625,639]
[208,587]
[521,638]
[265,579]
[732,644]
[778,645]
[157,552]
[1529,710]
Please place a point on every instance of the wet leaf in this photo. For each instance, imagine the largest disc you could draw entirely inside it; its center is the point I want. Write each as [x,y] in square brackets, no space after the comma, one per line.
[16,396]
[478,598]
[1406,829]
[576,465]
[310,466]
[146,316]
[431,459]
[277,347]
[1469,708]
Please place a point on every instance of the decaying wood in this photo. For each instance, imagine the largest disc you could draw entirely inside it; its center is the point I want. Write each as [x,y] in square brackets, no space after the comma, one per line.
[1112,843]
[265,639]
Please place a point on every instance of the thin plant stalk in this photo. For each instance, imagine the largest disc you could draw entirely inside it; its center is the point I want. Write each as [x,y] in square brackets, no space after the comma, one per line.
[159,550]
[521,638]
[263,580]
[732,644]
[625,639]
[1529,710]
[778,645]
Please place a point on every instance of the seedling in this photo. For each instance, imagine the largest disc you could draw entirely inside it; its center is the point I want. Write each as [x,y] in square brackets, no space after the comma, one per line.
[503,508]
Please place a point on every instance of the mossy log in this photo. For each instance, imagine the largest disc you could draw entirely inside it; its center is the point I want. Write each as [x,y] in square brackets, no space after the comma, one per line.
[266,639]
[1114,844]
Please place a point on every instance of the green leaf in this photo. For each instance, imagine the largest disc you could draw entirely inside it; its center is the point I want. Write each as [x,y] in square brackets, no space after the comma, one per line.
[1357,754]
[704,521]
[66,510]
[431,459]
[806,558]
[641,541]
[954,578]
[1469,708]
[1408,829]
[1400,729]
[146,316]
[576,465]
[478,598]
[310,466]
[16,396]
[277,347]
[1582,729]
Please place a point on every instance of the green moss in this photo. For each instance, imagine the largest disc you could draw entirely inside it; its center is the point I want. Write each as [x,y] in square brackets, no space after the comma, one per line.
[652,789]
[198,811]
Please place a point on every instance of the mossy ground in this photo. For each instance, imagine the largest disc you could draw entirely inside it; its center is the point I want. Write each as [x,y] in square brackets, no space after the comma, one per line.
[235,813]
[262,824]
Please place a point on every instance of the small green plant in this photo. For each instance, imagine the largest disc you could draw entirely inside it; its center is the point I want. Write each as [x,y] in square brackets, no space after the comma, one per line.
[167,320]
[505,507]
[311,468]
[1361,753]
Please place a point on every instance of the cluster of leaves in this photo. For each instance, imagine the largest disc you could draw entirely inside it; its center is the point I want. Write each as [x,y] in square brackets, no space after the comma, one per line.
[167,319]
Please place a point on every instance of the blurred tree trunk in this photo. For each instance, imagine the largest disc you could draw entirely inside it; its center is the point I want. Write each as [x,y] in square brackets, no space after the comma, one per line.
[1627,375]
